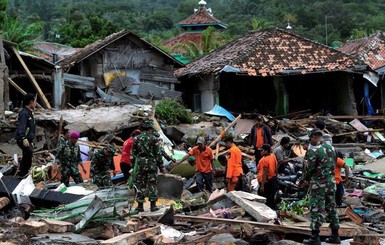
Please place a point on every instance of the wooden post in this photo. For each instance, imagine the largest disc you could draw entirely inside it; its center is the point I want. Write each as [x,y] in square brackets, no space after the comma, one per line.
[224,131]
[34,82]
[20,89]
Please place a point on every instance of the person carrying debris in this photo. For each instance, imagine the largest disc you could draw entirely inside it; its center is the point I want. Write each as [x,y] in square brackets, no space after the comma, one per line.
[260,134]
[68,154]
[204,164]
[148,158]
[234,169]
[162,152]
[320,163]
[267,175]
[125,162]
[283,154]
[102,162]
[340,189]
[25,133]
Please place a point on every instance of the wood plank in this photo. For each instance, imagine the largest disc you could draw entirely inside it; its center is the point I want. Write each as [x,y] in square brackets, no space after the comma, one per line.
[20,90]
[345,231]
[224,131]
[347,117]
[354,132]
[34,82]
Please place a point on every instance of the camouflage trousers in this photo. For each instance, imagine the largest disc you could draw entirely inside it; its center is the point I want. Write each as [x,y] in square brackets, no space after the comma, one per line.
[146,181]
[70,171]
[322,198]
[102,179]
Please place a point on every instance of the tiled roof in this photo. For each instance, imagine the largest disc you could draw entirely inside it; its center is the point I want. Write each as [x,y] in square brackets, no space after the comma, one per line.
[270,52]
[183,38]
[202,17]
[100,44]
[370,49]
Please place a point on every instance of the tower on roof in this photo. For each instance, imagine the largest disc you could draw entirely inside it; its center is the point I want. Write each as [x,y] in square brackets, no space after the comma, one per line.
[201,19]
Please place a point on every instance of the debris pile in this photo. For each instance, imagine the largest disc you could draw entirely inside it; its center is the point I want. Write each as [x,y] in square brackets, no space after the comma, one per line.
[40,210]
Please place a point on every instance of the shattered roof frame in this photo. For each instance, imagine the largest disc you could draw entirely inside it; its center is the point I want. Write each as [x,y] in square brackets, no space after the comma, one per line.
[271,52]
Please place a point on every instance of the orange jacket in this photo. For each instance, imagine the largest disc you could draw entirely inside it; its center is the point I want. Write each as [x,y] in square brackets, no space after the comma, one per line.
[234,163]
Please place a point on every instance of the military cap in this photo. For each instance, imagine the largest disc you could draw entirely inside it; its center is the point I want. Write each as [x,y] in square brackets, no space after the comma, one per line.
[315,132]
[147,124]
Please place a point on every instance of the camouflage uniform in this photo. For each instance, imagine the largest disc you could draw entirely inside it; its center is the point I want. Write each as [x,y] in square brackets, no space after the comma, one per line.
[68,155]
[320,161]
[101,164]
[146,151]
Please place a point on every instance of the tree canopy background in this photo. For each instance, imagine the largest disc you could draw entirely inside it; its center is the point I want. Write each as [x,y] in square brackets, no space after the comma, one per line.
[80,22]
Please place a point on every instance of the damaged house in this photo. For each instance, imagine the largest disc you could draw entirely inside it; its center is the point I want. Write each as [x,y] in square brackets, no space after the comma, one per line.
[371,50]
[130,67]
[273,71]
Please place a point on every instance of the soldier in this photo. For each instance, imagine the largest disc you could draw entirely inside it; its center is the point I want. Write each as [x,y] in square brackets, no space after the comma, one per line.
[68,154]
[320,160]
[101,163]
[147,153]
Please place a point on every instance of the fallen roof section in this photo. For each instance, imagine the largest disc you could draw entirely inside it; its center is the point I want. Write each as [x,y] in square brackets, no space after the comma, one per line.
[272,52]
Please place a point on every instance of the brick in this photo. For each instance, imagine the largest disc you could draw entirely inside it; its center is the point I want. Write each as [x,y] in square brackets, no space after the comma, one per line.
[34,228]
[56,226]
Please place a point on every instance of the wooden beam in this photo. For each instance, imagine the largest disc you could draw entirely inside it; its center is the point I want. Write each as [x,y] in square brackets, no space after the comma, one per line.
[348,117]
[354,132]
[34,82]
[224,131]
[345,231]
[2,56]
[20,89]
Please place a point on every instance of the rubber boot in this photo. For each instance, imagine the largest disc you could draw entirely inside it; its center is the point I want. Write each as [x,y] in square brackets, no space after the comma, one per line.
[314,239]
[335,238]
[154,207]
[140,207]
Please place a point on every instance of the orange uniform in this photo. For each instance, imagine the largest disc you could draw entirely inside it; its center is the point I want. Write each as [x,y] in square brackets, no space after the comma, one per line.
[203,159]
[259,136]
[269,161]
[339,165]
[234,167]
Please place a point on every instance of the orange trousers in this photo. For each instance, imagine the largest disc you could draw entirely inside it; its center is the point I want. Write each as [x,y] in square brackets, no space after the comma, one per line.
[233,182]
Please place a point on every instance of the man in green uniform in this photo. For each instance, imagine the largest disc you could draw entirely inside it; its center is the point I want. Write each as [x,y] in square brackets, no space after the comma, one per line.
[148,156]
[319,169]
[102,163]
[68,154]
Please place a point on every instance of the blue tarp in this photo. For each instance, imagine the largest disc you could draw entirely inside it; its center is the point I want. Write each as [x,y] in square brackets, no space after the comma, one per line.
[220,111]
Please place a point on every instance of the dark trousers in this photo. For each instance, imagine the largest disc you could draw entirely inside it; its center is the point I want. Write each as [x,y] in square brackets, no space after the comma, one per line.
[340,190]
[26,160]
[205,179]
[125,168]
[257,155]
[271,187]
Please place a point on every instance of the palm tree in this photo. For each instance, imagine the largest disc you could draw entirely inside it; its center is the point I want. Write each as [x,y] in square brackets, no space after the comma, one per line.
[15,32]
[258,24]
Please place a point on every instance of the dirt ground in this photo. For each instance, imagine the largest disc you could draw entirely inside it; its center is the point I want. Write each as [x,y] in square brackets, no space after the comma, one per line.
[376,166]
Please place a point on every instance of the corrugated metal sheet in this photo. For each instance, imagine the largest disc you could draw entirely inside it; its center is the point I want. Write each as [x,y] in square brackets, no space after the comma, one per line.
[148,90]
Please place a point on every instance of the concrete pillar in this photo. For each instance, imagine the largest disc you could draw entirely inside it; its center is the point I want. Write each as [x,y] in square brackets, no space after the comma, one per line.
[282,104]
[58,86]
[206,87]
[352,98]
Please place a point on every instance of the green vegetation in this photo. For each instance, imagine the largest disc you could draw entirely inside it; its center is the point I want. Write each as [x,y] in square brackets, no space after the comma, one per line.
[80,22]
[172,112]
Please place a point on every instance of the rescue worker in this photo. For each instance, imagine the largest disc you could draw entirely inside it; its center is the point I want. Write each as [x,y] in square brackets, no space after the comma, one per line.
[25,133]
[319,169]
[340,189]
[267,175]
[125,162]
[204,164]
[234,164]
[68,155]
[146,151]
[102,162]
[260,134]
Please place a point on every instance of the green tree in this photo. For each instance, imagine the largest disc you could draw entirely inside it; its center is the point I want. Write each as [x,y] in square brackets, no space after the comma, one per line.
[258,24]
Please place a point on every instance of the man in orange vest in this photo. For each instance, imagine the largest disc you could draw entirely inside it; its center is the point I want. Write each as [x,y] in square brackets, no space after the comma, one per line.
[234,164]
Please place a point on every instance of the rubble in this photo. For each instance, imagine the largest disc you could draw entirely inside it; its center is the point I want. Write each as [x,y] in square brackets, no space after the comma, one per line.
[83,214]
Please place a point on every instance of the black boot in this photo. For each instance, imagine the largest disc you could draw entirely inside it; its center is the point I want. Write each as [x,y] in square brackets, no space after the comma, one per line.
[335,238]
[140,207]
[154,207]
[314,239]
